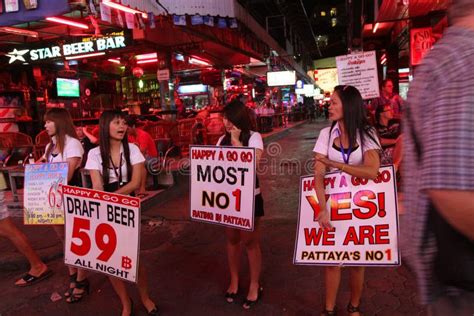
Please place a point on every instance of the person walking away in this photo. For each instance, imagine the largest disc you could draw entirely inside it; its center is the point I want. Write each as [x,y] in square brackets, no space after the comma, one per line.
[438,229]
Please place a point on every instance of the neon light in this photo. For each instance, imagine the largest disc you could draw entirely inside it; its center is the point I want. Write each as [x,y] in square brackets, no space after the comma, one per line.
[17,31]
[68,22]
[196,61]
[124,8]
[146,56]
[115,61]
[376,26]
[147,61]
[85,56]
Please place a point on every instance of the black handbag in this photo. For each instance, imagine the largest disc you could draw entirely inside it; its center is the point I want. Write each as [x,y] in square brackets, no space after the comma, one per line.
[454,261]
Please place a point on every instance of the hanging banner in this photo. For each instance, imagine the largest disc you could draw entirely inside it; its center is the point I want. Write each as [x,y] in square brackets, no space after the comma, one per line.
[42,199]
[421,41]
[364,217]
[359,70]
[223,185]
[18,12]
[102,232]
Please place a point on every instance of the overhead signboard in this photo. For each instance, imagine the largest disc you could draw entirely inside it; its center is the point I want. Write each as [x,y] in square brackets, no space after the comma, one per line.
[86,46]
[281,78]
[359,70]
[421,41]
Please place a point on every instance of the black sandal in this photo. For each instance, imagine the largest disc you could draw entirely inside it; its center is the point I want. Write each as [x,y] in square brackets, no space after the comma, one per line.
[326,312]
[352,309]
[77,297]
[31,279]
[230,297]
[248,303]
[72,279]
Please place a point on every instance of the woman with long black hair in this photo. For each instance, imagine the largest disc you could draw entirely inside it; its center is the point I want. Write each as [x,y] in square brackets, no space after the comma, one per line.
[117,166]
[64,146]
[237,124]
[349,145]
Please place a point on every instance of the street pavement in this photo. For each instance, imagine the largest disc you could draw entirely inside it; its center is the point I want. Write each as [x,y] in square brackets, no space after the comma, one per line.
[186,261]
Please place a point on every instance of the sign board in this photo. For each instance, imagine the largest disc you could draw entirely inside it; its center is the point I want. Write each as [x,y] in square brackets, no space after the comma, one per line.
[326,79]
[359,70]
[223,185]
[421,41]
[87,46]
[102,232]
[163,74]
[192,89]
[281,78]
[364,217]
[42,197]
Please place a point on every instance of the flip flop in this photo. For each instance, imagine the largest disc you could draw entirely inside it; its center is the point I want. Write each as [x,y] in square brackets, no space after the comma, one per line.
[31,279]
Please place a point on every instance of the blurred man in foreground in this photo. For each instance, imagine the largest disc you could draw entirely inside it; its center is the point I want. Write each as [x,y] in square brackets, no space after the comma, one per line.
[439,193]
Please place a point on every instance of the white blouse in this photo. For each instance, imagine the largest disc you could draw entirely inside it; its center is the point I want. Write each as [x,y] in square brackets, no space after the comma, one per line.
[324,146]
[94,162]
[72,149]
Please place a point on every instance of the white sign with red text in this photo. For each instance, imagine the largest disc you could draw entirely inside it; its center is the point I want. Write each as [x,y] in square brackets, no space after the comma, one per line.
[42,199]
[359,70]
[223,185]
[364,217]
[102,232]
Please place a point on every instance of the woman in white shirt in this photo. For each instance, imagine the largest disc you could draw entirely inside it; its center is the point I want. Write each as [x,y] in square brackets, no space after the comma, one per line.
[65,147]
[117,166]
[350,145]
[237,124]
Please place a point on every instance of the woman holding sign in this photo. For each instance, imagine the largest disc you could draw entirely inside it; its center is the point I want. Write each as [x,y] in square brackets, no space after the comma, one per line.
[117,166]
[349,145]
[237,124]
[64,146]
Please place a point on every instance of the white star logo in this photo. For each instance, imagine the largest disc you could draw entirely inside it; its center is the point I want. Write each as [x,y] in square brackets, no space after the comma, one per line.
[17,54]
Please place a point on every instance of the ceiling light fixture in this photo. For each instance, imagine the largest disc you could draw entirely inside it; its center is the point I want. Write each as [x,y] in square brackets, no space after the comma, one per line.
[18,31]
[68,22]
[146,56]
[85,56]
[115,61]
[376,26]
[124,8]
[147,61]
[195,61]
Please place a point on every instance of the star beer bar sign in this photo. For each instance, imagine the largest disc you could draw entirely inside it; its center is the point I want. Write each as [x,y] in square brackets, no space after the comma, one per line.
[86,46]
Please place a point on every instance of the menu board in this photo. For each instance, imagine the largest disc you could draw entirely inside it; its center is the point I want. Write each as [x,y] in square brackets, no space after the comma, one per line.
[359,70]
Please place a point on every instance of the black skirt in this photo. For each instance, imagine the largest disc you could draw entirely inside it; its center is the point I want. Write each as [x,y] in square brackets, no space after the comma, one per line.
[259,205]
